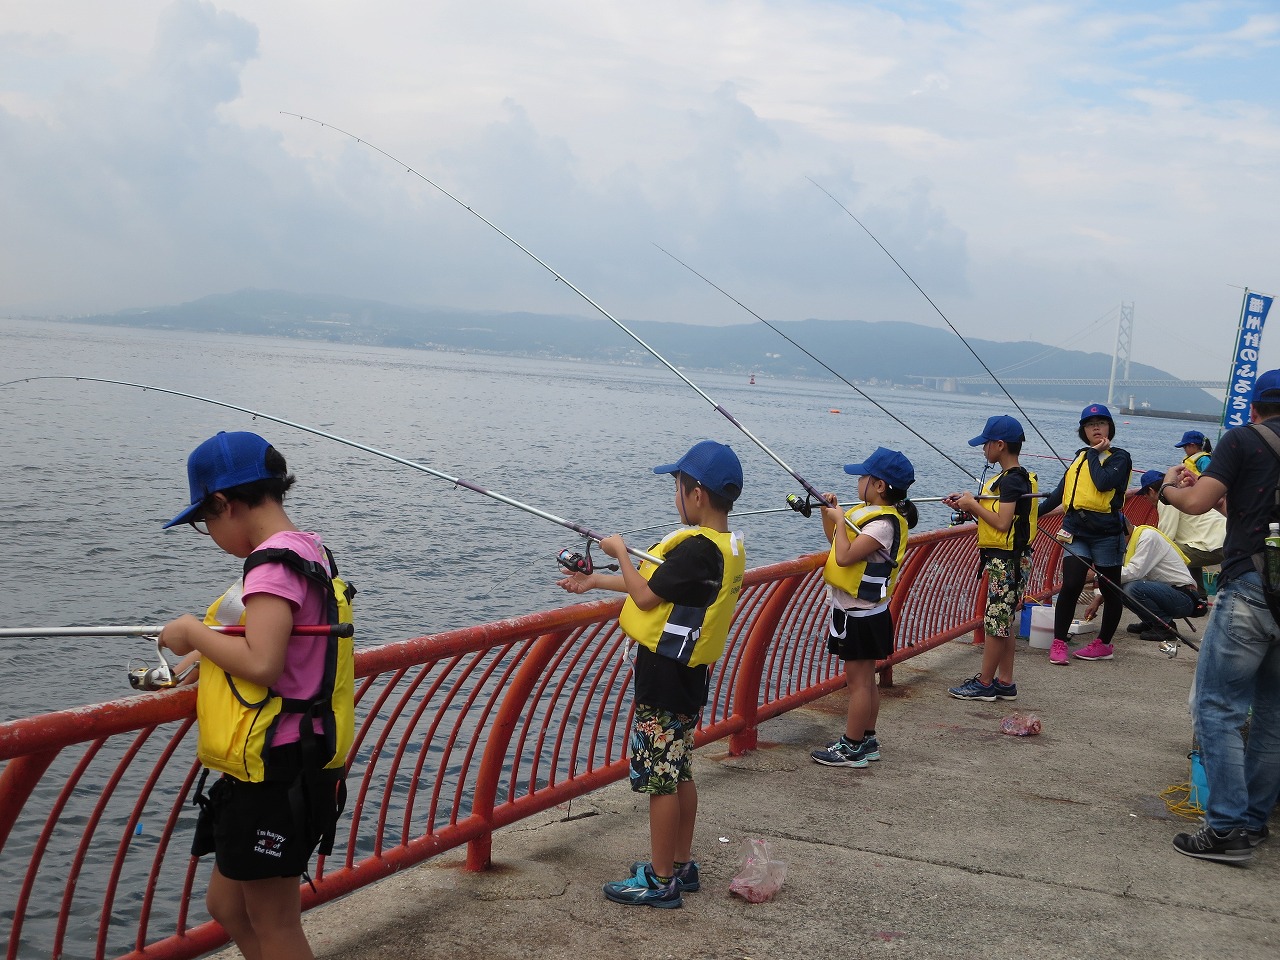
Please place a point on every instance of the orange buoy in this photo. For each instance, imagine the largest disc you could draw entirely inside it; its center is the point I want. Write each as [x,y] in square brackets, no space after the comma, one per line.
[833,410]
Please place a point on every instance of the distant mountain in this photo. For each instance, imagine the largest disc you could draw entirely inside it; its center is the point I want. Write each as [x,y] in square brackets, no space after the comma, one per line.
[889,351]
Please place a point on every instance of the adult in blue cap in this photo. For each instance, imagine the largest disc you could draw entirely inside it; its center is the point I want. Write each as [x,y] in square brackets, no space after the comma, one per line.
[1006,513]
[1091,494]
[1196,448]
[1239,664]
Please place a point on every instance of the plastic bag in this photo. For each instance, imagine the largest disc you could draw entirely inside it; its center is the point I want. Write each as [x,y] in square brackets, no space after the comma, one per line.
[759,876]
[1020,725]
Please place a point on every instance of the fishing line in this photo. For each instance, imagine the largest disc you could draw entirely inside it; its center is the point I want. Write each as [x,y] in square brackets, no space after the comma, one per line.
[815,359]
[456,481]
[937,310]
[808,487]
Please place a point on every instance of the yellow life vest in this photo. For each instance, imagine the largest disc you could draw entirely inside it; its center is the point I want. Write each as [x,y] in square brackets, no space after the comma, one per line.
[1079,493]
[690,635]
[238,718]
[868,579]
[1191,461]
[1023,529]
[1132,548]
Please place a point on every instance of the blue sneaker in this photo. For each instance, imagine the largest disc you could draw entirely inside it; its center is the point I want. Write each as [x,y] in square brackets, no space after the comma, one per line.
[642,889]
[842,753]
[1005,691]
[871,748]
[974,689]
[686,876]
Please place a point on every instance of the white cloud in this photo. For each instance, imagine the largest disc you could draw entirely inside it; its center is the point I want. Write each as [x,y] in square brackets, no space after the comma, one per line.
[1030,164]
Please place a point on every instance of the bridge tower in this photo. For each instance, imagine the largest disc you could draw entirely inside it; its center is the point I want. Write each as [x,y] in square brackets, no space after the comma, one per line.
[1124,348]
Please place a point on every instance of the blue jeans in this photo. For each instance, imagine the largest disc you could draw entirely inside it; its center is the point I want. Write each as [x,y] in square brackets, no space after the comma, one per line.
[1166,602]
[1239,666]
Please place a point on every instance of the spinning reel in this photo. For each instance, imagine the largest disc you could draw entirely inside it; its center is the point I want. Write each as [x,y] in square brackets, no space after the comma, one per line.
[803,507]
[575,562]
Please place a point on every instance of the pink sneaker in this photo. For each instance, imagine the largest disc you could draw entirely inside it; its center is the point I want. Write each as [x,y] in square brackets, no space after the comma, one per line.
[1096,651]
[1058,652]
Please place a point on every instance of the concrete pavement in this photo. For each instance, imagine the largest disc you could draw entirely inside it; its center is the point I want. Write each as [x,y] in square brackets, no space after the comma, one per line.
[961,842]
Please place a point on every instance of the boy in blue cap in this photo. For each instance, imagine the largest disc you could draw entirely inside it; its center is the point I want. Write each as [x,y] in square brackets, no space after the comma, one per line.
[868,544]
[1006,515]
[678,615]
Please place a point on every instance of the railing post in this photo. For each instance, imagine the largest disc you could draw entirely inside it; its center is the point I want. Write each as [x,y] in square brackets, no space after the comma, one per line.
[20,776]
[746,692]
[480,850]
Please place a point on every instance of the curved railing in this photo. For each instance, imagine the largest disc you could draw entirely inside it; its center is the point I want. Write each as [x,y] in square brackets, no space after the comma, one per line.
[457,734]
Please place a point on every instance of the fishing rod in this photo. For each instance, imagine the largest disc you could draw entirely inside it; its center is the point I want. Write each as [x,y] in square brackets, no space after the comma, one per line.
[808,487]
[152,630]
[937,310]
[1168,647]
[860,393]
[456,481]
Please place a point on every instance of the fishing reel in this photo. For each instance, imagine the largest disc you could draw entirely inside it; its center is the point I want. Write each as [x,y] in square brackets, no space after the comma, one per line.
[158,677]
[803,507]
[959,517]
[575,562]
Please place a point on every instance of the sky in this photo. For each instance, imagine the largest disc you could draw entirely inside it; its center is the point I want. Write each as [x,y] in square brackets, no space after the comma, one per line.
[1031,165]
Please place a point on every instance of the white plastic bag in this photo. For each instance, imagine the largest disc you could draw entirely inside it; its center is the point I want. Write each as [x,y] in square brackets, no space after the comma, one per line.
[760,876]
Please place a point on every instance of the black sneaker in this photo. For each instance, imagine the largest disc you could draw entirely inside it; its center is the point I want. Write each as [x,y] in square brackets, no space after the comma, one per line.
[1158,634]
[1140,627]
[1207,844]
[1255,837]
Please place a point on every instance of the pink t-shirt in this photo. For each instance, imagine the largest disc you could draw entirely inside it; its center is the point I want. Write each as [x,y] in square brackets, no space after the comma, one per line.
[304,660]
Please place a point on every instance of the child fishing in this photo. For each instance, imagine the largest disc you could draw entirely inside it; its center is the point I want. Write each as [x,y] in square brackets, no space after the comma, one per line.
[678,615]
[1006,517]
[275,709]
[861,570]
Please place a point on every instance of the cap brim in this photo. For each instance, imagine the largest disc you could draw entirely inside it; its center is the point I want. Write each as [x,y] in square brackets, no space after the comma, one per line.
[977,441]
[184,517]
[667,468]
[856,469]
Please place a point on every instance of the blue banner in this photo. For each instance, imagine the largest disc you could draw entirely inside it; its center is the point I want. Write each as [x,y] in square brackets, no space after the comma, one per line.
[1244,370]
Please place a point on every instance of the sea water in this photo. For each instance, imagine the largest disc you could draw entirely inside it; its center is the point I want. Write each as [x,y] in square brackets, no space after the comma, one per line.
[92,471]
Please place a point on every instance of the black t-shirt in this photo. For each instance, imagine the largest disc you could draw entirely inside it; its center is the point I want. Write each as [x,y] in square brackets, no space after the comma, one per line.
[1014,486]
[1243,462]
[690,575]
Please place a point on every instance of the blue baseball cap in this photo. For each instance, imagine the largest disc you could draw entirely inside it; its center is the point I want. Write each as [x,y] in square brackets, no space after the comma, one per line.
[714,465]
[1095,410]
[1150,479]
[1191,436]
[223,462]
[1000,428]
[888,465]
[1267,388]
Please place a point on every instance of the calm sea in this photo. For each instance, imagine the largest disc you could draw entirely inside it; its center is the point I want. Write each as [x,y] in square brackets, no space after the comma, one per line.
[91,471]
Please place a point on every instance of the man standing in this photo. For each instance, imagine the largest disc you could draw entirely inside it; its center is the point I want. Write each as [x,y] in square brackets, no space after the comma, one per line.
[1239,665]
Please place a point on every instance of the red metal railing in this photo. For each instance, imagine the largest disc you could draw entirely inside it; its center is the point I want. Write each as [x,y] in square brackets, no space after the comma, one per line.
[457,734]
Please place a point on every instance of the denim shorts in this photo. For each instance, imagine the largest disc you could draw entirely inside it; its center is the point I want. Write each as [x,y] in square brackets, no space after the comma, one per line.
[1104,551]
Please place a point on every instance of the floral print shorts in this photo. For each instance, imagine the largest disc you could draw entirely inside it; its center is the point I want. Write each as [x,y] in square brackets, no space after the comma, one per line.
[1003,593]
[661,750]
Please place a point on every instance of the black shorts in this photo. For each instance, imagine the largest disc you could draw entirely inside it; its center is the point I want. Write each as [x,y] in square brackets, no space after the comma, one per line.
[860,638]
[253,830]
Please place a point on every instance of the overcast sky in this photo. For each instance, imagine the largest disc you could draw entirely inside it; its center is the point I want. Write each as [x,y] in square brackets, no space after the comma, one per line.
[1032,165]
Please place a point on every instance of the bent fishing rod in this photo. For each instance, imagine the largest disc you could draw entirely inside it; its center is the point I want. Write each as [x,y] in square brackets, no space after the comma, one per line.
[809,489]
[938,311]
[456,481]
[856,390]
